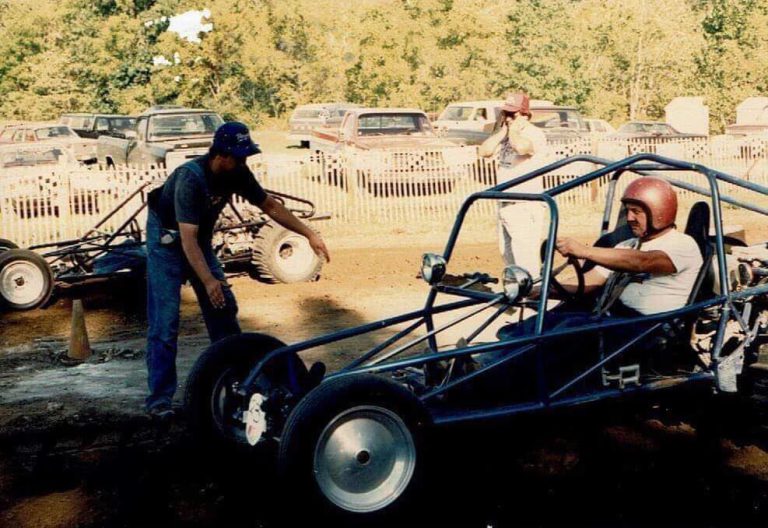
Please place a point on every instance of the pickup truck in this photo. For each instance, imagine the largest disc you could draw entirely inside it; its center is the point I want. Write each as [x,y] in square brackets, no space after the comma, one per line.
[378,128]
[470,123]
[164,135]
[83,150]
[95,125]
[305,118]
[389,150]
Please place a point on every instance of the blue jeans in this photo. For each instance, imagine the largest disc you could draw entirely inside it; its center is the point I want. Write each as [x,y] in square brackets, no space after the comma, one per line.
[167,270]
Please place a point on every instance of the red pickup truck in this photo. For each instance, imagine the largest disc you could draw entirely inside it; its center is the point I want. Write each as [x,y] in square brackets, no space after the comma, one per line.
[379,128]
[391,151]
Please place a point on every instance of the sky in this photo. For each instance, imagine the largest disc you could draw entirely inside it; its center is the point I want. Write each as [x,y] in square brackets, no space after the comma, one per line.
[188,26]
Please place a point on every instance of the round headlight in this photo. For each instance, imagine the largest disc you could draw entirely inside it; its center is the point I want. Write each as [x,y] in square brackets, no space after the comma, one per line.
[517,283]
[432,268]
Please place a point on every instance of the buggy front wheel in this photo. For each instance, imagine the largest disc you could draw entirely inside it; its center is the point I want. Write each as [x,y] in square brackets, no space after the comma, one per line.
[213,405]
[354,445]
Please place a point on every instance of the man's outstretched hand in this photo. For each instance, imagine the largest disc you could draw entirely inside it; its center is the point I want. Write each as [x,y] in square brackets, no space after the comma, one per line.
[568,247]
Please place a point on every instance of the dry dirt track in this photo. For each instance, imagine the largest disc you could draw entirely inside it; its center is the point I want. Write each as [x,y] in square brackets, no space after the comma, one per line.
[75,449]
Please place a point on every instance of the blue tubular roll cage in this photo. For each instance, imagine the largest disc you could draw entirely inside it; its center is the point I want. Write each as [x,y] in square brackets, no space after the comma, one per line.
[374,361]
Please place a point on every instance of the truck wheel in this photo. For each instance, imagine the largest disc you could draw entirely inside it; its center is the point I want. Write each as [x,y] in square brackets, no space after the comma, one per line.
[354,445]
[6,244]
[26,279]
[280,255]
[213,407]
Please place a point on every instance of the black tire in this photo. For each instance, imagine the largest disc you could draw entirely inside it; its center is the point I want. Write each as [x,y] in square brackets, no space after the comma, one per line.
[6,244]
[26,279]
[345,401]
[280,255]
[210,404]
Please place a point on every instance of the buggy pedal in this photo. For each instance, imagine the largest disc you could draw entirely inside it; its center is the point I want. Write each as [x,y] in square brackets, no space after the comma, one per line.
[627,375]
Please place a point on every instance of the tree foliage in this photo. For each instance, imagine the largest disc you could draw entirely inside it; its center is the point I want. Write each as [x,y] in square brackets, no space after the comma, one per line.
[616,60]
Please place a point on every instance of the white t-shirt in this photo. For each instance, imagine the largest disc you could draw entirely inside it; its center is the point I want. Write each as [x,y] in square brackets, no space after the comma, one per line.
[649,294]
[513,165]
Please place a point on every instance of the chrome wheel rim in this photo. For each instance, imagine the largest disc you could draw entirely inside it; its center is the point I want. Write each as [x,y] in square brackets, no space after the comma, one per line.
[22,282]
[364,459]
[294,254]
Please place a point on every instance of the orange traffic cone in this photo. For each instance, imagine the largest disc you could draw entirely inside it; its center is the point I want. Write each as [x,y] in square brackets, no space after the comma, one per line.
[79,346]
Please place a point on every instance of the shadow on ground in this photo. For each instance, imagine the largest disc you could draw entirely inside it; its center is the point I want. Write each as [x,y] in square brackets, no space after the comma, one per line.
[607,468]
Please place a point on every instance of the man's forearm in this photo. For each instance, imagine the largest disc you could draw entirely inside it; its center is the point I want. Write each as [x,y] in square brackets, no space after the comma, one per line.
[285,218]
[630,260]
[520,143]
[195,257]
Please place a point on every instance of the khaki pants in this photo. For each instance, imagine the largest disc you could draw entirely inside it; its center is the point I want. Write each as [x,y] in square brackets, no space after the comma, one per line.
[520,232]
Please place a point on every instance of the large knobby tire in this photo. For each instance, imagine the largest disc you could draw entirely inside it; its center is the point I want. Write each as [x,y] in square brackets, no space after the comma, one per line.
[280,255]
[26,279]
[6,244]
[210,402]
[355,447]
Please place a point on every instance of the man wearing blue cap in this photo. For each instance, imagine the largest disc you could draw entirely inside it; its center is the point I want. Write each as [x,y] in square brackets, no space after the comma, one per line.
[180,222]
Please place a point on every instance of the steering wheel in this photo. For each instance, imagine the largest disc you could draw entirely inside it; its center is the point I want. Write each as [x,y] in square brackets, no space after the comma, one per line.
[564,294]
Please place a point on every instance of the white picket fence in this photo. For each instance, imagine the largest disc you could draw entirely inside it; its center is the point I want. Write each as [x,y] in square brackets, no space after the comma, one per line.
[389,188]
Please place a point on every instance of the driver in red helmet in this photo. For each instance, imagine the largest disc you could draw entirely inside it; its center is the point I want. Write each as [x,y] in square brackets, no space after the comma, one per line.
[652,272]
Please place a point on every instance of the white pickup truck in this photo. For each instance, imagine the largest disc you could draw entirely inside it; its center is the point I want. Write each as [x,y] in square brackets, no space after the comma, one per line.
[164,135]
[474,119]
[471,122]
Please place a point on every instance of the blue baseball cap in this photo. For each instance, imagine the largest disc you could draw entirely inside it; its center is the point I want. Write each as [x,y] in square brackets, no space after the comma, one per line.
[235,140]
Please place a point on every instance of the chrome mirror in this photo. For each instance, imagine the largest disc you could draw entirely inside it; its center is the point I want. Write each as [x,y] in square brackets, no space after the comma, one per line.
[432,268]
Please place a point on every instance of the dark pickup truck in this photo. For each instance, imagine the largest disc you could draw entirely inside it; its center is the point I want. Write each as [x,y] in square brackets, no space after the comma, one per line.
[95,125]
[164,135]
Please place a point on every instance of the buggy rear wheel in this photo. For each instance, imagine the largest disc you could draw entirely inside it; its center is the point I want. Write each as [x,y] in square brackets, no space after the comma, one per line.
[280,255]
[26,279]
[355,446]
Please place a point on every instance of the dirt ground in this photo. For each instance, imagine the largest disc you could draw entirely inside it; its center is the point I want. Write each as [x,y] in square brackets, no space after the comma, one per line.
[76,449]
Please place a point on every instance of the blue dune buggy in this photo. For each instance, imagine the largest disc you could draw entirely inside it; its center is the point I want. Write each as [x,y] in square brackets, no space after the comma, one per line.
[354,440]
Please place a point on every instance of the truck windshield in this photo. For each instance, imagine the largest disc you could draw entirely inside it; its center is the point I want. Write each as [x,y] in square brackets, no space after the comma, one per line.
[557,119]
[122,123]
[162,126]
[646,128]
[54,132]
[308,113]
[77,122]
[393,124]
[456,113]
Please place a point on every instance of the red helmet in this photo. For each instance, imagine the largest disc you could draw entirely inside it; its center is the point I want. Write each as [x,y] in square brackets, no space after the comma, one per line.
[657,197]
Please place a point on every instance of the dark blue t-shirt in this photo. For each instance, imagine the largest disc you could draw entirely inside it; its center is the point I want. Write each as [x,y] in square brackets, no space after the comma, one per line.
[192,194]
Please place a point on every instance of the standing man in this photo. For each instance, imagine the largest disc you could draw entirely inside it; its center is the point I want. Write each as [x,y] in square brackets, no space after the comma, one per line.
[521,148]
[180,221]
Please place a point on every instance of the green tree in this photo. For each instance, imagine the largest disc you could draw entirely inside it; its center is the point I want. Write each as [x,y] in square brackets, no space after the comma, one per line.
[634,60]
[731,65]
